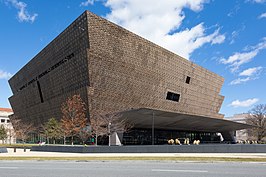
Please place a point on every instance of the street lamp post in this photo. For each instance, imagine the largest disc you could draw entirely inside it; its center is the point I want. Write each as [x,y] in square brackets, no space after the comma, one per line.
[109,133]
[152,134]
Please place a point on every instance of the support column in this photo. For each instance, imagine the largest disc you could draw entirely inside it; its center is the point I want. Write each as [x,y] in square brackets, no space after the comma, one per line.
[229,136]
[116,139]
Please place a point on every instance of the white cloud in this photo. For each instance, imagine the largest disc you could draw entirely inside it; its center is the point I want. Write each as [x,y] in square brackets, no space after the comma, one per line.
[235,34]
[234,11]
[250,74]
[262,15]
[258,1]
[23,14]
[5,75]
[251,71]
[87,3]
[245,103]
[240,80]
[218,39]
[159,22]
[238,59]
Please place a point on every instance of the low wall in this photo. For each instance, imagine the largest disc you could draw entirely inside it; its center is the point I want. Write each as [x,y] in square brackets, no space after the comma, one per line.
[3,150]
[208,148]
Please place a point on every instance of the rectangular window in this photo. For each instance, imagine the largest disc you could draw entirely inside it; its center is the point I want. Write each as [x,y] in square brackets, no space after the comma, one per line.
[188,80]
[7,121]
[40,91]
[2,120]
[173,96]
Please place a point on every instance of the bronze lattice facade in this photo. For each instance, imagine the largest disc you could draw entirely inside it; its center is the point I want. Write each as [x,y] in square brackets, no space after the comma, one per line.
[113,70]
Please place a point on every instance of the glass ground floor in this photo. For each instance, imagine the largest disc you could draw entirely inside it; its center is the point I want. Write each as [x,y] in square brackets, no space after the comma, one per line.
[159,137]
[141,137]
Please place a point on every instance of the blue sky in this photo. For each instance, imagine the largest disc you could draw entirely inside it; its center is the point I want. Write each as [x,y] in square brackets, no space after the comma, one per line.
[226,37]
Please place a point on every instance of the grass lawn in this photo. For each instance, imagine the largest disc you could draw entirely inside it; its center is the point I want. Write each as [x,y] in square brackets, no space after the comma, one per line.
[18,145]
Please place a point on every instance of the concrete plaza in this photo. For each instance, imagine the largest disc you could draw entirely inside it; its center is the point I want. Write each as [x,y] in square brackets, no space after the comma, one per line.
[28,153]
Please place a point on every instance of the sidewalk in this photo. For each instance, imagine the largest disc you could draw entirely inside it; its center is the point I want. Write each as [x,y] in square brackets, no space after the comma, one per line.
[28,153]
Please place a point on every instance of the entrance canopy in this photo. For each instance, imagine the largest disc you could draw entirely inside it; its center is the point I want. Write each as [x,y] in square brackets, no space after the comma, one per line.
[146,118]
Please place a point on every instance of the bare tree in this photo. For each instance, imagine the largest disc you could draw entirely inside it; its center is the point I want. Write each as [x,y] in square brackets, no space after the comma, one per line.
[257,117]
[10,133]
[22,129]
[107,124]
[74,118]
[98,126]
[116,123]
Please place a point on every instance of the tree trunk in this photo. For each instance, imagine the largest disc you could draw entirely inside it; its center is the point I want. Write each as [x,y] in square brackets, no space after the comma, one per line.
[10,137]
[259,137]
[96,137]
[72,140]
[54,140]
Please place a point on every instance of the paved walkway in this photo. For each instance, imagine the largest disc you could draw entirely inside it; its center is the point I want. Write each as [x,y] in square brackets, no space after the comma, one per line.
[28,153]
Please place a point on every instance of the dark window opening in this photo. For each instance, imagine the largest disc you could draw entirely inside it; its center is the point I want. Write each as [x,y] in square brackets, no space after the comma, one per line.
[188,80]
[173,96]
[40,91]
[2,120]
[7,121]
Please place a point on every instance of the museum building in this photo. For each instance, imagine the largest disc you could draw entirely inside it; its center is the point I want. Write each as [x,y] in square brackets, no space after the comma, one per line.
[114,70]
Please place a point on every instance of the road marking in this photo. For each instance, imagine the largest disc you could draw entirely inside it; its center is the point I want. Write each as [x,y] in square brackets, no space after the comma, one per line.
[185,171]
[8,167]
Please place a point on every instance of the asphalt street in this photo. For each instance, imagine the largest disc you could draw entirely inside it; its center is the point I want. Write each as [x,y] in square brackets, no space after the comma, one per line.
[130,169]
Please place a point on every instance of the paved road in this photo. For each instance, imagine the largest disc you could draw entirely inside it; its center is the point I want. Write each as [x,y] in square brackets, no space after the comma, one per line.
[129,169]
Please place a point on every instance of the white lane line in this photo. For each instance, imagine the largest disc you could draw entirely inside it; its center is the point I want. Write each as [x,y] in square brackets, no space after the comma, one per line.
[185,171]
[8,167]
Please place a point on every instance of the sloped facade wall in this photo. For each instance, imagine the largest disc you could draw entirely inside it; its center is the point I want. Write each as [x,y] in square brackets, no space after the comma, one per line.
[57,72]
[128,72]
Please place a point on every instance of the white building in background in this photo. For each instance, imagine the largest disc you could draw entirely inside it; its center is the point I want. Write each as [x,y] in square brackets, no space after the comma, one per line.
[240,134]
[4,120]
